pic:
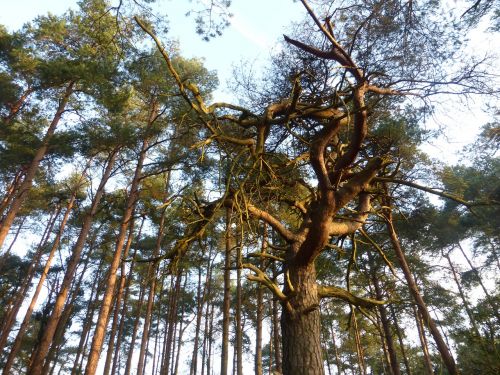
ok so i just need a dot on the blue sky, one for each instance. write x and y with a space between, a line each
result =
251 37
256 27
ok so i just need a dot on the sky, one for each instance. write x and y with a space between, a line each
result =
256 27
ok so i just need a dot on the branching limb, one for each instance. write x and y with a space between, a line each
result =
268 218
427 190
379 250
336 292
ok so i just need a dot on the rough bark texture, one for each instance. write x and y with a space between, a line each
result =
300 328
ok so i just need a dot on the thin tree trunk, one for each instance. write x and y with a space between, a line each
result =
422 307
151 275
182 328
118 300
423 342
132 198
62 325
128 366
400 340
125 298
36 365
12 309
227 295
462 296
201 298
260 310
24 325
172 323
5 255
207 328
489 299
277 339
25 186
393 360
357 339
210 340
87 322
239 327
335 348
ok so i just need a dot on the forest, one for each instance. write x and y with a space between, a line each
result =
299 229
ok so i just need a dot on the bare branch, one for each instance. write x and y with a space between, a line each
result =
336 292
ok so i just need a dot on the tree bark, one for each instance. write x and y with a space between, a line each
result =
151 275
132 198
13 308
24 325
423 342
422 307
25 186
35 367
227 296
300 328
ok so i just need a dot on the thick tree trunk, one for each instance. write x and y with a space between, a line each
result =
300 328
38 357
25 186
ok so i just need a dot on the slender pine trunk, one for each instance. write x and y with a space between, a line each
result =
24 325
25 186
35 367
422 307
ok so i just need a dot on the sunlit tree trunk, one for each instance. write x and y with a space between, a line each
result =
132 198
25 186
24 325
300 328
128 366
38 357
422 307
118 300
123 314
151 275
13 308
